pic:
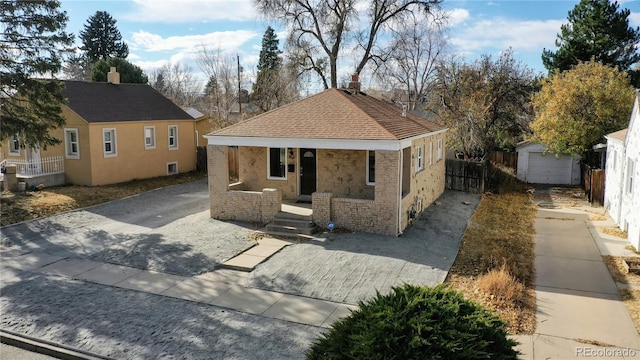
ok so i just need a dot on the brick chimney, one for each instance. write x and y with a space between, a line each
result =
113 77
354 84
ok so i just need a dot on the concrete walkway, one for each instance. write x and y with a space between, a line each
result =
580 312
224 287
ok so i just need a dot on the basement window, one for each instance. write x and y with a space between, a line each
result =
172 168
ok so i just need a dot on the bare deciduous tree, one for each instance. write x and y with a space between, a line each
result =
319 29
177 82
417 45
221 93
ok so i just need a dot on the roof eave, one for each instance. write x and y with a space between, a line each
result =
317 143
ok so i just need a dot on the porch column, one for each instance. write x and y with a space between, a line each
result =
387 191
218 169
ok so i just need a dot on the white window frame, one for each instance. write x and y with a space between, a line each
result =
151 137
439 150
630 176
614 155
114 148
169 172
68 146
369 182
175 137
14 145
419 158
283 157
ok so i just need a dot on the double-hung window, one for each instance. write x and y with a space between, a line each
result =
149 137
109 142
630 174
277 163
14 145
439 150
371 167
72 144
173 137
420 158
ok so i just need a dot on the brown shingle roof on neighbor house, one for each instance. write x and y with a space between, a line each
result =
619 135
334 114
104 102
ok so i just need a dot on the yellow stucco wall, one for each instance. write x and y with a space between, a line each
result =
132 160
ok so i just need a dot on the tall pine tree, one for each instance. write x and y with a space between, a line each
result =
101 39
597 29
267 87
32 43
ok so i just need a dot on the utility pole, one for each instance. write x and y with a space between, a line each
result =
239 89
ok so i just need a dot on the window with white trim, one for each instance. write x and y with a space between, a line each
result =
172 168
614 155
371 167
430 153
439 150
630 174
173 137
149 137
277 163
109 142
419 158
14 145
72 144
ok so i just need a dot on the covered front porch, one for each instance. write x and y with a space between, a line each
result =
357 189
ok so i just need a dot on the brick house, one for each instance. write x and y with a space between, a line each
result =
362 162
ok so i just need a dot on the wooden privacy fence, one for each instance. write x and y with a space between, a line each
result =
464 175
593 182
201 161
508 159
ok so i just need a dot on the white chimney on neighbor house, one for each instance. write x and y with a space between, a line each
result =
354 84
113 77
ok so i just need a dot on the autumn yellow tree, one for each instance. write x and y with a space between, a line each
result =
575 109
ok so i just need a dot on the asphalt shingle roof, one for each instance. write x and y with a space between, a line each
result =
334 114
104 102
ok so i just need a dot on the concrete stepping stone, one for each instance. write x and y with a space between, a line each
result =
108 274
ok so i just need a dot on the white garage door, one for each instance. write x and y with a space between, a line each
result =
548 169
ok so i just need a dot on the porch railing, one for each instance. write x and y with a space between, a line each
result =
42 166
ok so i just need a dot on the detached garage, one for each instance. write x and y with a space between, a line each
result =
535 166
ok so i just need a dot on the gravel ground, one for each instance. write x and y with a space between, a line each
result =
351 267
166 230
126 324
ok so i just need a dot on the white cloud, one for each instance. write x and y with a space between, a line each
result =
634 19
223 40
183 11
501 33
457 16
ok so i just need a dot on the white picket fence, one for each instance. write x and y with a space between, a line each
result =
43 166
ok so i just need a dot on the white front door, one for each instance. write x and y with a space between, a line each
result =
33 159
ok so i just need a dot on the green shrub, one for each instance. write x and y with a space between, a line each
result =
415 322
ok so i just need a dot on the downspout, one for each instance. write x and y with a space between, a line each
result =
400 193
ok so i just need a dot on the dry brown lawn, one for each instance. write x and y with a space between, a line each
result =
495 263
631 297
22 206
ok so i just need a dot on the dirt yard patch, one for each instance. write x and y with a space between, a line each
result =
497 252
22 206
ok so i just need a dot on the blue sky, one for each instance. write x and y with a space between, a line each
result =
161 31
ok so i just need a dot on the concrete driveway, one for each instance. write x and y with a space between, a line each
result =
166 230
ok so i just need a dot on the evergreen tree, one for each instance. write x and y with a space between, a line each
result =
129 73
32 42
597 29
101 38
266 89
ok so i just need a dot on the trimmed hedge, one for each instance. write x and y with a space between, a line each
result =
415 322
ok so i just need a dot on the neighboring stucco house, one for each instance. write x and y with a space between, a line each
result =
622 190
362 162
536 166
115 133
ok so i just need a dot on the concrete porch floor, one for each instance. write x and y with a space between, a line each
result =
292 207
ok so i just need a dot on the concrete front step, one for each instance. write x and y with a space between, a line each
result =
292 216
306 230
293 222
289 235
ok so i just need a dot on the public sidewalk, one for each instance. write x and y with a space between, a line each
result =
223 287
580 312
